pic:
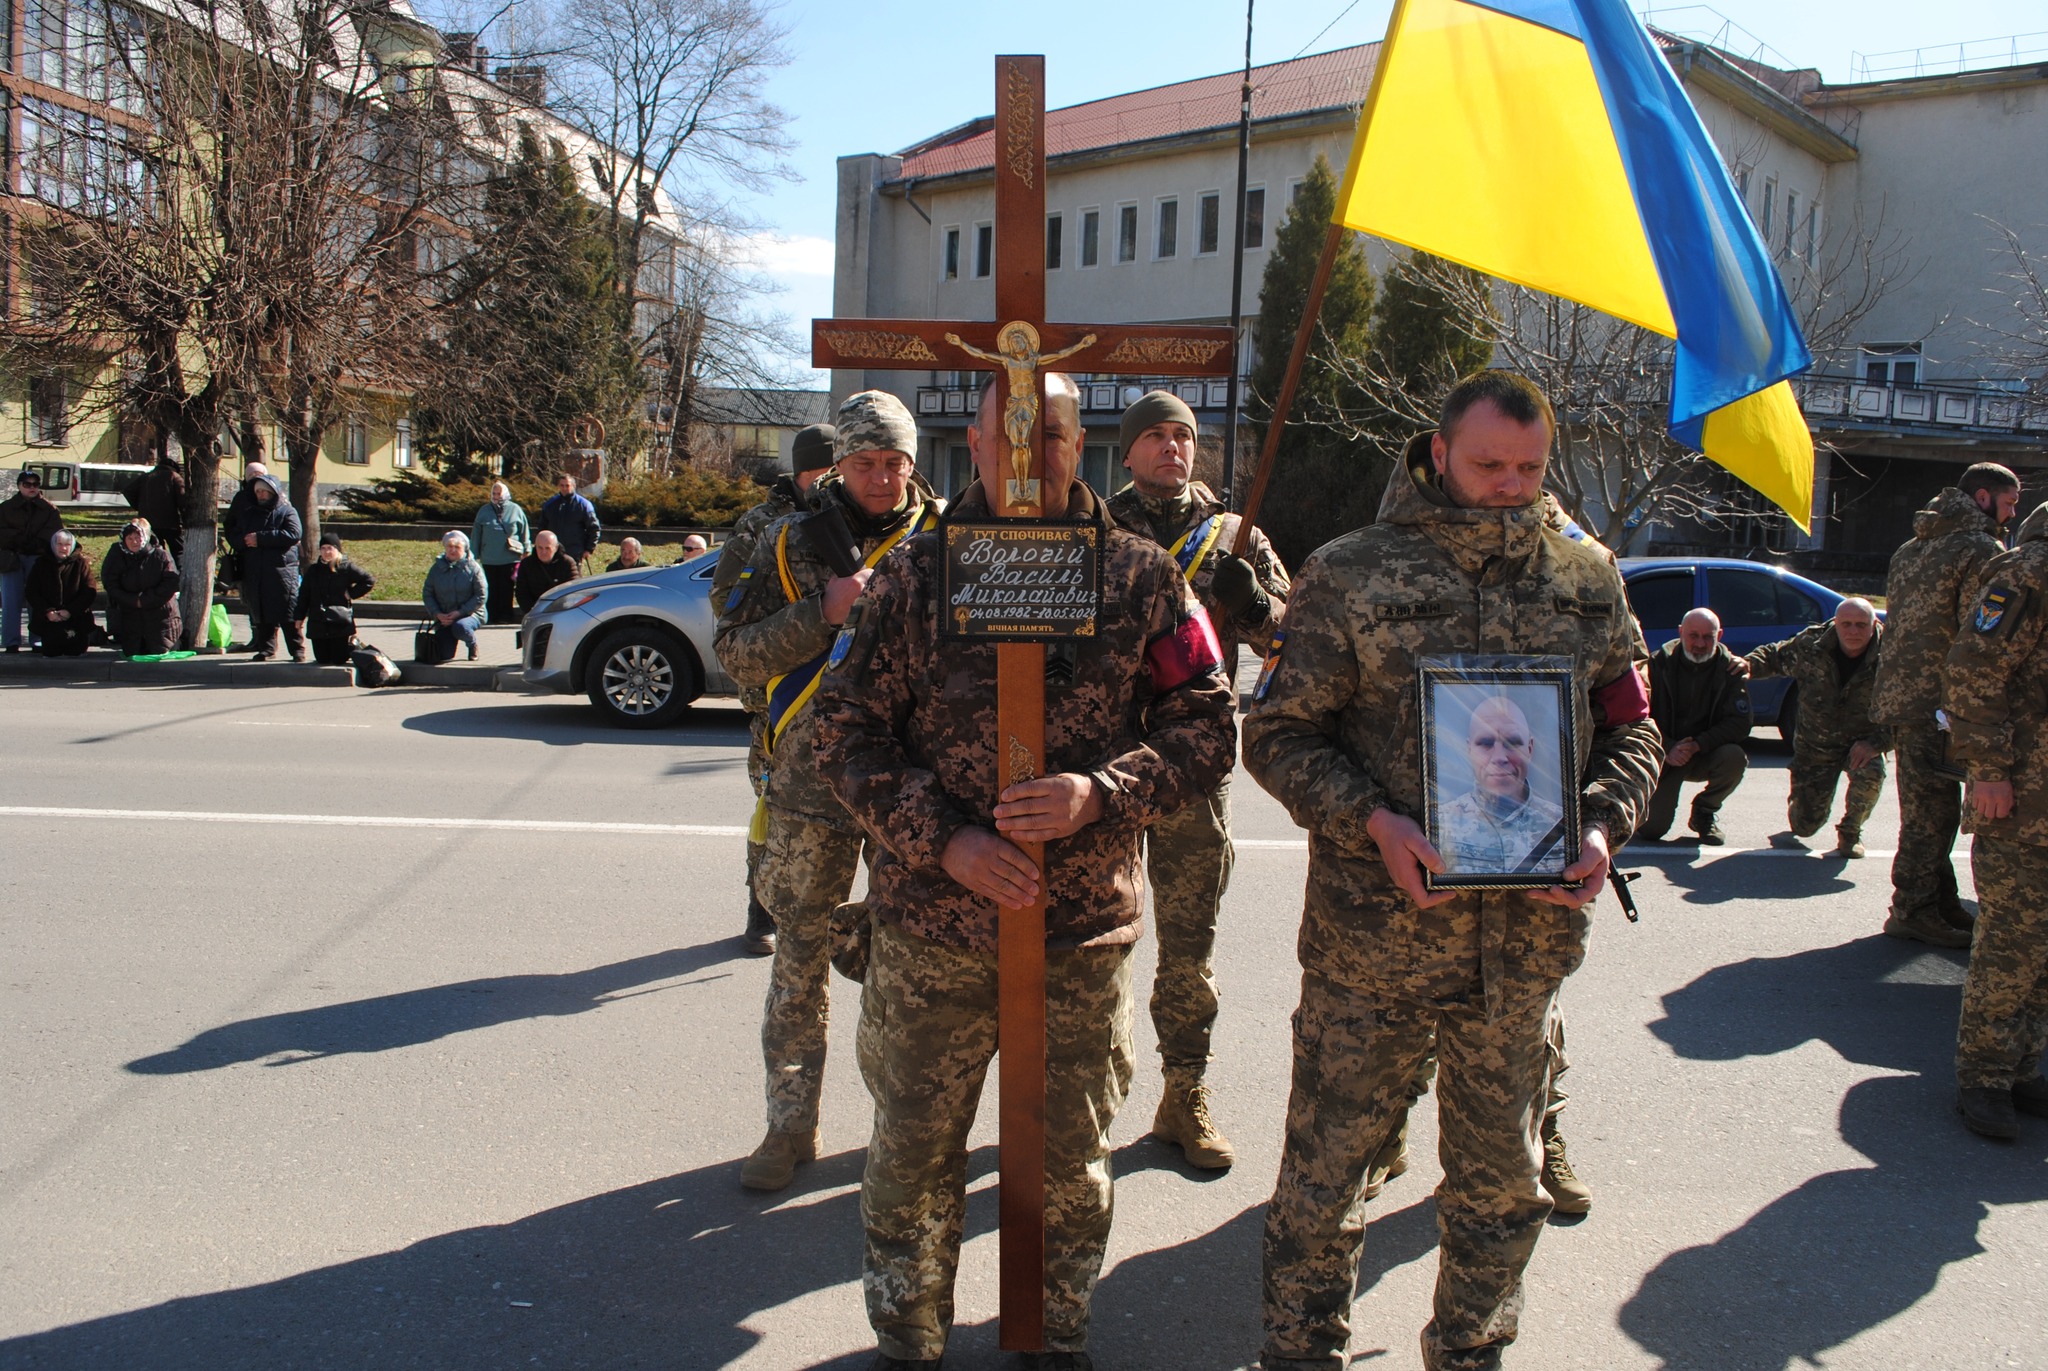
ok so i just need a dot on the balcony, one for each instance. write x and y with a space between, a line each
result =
1097 397
1935 406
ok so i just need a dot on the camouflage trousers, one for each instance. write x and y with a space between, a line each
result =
757 766
927 1032
1555 1094
806 873
1188 859
1930 816
2005 996
1814 775
1356 1053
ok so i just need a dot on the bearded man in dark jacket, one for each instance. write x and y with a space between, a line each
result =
1699 696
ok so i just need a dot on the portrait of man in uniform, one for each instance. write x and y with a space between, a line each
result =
1496 798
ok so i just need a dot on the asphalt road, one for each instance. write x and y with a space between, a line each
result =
408 1029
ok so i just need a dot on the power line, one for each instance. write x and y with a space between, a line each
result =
1326 28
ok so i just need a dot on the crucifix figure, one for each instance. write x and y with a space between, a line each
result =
1021 344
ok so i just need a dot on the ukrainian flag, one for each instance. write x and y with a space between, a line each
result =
1546 142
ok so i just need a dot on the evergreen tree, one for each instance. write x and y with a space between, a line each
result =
544 334
1423 338
1323 484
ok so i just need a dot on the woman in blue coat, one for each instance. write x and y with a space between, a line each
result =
269 533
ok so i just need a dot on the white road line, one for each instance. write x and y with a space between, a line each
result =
373 821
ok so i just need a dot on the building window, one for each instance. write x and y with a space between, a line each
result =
1053 223
401 445
952 267
1742 174
1791 217
1812 248
1895 364
357 451
1091 237
1166 243
756 442
1770 210
78 162
85 48
1293 191
1208 222
984 249
1126 233
1255 218
48 419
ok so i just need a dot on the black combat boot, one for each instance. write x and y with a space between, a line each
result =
759 938
1988 1110
2030 1096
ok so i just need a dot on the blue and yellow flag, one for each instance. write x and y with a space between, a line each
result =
1546 142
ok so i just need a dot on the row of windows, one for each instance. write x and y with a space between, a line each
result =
1165 241
87 48
76 161
1784 229
49 425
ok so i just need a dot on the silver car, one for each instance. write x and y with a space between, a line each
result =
638 643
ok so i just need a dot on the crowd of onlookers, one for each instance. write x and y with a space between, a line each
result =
50 591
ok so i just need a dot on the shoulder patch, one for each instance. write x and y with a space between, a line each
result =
1993 608
739 591
1273 651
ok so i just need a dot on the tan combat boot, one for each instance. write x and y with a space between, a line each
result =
773 1163
1568 1193
1926 928
1183 1120
1849 841
1390 1161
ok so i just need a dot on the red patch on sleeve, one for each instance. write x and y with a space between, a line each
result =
1623 700
1189 651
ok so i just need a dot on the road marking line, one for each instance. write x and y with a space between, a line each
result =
374 821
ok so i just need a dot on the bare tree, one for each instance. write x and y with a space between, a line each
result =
2021 326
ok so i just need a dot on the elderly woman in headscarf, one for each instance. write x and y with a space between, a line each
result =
499 538
142 592
270 532
454 591
61 590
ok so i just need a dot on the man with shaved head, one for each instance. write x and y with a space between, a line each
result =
1499 824
1834 666
1701 704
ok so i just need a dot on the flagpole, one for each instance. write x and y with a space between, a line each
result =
1312 308
1234 403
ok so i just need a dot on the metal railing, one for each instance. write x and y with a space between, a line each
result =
1950 59
1979 405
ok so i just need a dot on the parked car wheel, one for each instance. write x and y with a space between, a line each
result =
641 678
1788 716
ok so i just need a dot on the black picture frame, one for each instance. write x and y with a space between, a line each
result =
1499 740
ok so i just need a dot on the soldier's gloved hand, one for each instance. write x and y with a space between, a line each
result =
1236 587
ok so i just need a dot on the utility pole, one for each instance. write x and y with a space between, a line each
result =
1234 403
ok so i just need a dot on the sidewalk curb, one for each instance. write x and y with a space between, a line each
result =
99 667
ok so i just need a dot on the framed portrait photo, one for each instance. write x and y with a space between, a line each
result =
1499 770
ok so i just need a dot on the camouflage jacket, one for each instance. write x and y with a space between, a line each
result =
906 732
1997 686
1832 718
1128 508
773 623
1932 582
783 498
1336 734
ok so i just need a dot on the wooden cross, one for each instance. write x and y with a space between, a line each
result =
1020 344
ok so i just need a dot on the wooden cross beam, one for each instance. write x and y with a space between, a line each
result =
1021 344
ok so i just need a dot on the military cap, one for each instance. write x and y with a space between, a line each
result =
1154 407
876 420
813 448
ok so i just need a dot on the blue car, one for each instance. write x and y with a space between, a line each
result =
1758 604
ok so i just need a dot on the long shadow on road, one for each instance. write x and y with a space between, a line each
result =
665 1274
411 1017
1845 1251
568 722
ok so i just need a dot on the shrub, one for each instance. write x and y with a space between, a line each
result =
689 499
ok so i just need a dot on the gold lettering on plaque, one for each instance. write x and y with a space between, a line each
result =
872 345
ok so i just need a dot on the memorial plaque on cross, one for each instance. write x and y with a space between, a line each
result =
1021 346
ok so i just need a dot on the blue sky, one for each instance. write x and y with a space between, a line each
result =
878 75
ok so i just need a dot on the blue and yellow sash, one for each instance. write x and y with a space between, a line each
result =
1193 548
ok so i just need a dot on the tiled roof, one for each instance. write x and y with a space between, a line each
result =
1325 81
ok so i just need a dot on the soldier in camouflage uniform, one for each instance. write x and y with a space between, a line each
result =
1462 560
1138 723
1997 700
1834 665
789 491
1188 853
1933 582
781 617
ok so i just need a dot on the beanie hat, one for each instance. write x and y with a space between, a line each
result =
813 448
332 540
1154 407
875 420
